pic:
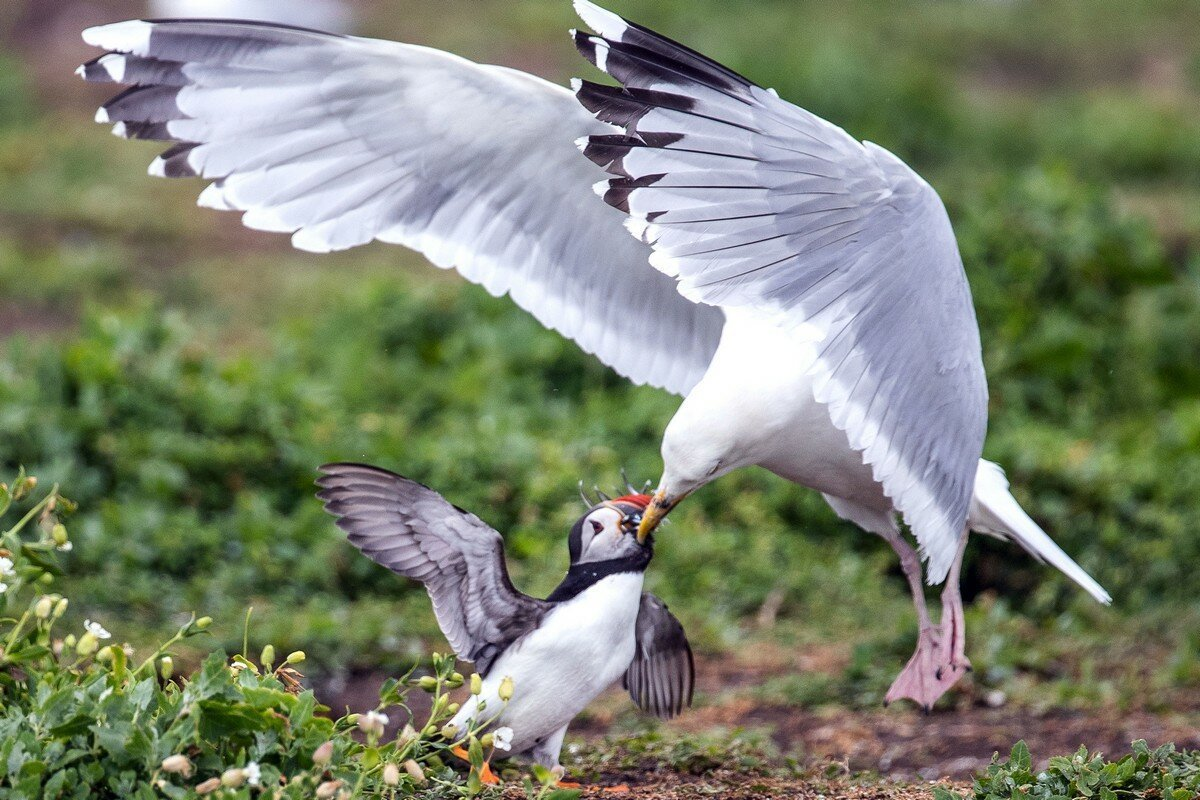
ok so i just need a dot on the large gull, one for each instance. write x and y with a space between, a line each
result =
801 289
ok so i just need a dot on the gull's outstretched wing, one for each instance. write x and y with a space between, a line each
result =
662 676
412 530
750 201
341 140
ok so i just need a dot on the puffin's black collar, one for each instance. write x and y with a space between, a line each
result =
584 576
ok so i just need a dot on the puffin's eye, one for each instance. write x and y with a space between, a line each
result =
596 526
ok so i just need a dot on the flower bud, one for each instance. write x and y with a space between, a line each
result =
407 736
505 692
323 754
44 607
449 731
60 608
105 656
296 657
428 683
328 789
391 774
440 704
486 741
267 657
166 667
59 534
69 641
203 623
414 770
455 680
233 778
209 786
177 764
87 644
453 708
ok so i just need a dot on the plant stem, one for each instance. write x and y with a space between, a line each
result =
33 512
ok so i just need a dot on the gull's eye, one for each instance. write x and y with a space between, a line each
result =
596 526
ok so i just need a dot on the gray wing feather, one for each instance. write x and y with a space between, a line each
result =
752 202
415 532
339 140
661 677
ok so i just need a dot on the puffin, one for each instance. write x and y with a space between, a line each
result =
801 290
597 627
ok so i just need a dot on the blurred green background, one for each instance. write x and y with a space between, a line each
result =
183 377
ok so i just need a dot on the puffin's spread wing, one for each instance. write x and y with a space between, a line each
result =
414 531
661 678
340 140
750 201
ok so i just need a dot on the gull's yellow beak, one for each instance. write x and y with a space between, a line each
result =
660 505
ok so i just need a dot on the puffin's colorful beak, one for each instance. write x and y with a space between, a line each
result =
658 508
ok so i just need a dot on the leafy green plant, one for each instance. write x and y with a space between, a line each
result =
697 754
83 718
1161 772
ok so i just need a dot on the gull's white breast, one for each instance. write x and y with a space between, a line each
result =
755 405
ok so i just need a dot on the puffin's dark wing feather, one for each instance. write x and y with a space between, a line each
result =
414 531
662 676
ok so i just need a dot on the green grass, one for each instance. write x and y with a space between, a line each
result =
184 377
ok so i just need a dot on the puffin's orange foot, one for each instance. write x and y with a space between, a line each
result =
486 775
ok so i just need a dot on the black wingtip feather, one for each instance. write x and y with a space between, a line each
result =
144 104
667 51
174 162
619 189
155 131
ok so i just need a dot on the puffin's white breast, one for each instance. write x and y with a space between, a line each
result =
581 648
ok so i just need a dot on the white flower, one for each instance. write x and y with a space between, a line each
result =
502 738
6 567
3 588
65 547
96 629
253 773
372 722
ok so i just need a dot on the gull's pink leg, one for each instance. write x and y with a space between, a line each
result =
940 659
953 623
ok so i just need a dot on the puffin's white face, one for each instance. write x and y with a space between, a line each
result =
607 533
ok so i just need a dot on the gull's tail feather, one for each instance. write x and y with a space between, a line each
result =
995 511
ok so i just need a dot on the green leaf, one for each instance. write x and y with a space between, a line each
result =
475 754
563 794
38 558
1019 758
72 727
941 793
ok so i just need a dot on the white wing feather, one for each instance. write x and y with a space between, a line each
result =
340 140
